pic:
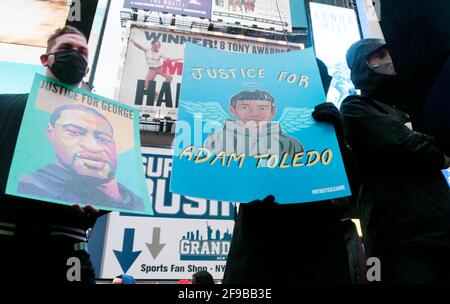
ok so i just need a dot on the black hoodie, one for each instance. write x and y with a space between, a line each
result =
382 87
404 198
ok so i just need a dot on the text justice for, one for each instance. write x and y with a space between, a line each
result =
86 99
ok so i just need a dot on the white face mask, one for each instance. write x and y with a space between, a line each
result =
385 67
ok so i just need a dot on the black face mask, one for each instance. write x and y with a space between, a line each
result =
385 88
69 66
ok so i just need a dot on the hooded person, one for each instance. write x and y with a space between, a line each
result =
403 199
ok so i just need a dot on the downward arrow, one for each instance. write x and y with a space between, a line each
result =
155 247
127 256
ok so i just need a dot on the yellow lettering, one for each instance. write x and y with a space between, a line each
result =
235 157
233 75
223 74
261 73
326 157
188 151
282 75
220 155
304 80
297 157
199 159
313 158
260 158
272 161
291 78
283 161
196 73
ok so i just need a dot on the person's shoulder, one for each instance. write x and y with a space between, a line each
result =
9 101
43 182
13 97
355 99
31 178
356 103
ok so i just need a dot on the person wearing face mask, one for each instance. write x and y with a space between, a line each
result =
37 238
403 199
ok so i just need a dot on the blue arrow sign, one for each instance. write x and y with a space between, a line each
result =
127 256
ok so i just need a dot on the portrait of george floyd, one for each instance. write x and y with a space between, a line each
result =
83 151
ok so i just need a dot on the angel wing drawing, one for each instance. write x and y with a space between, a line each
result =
211 112
296 119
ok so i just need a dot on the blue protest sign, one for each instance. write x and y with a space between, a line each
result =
245 129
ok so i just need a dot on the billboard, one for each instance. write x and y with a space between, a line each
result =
153 65
185 235
193 8
266 14
31 22
245 129
298 14
335 29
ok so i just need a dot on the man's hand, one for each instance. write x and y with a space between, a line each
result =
268 201
86 211
327 112
87 215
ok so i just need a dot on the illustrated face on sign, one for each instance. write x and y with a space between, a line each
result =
253 108
83 142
